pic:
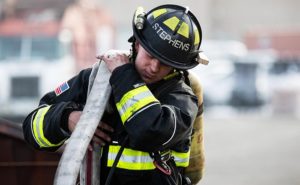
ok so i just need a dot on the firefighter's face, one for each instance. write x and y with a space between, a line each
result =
150 69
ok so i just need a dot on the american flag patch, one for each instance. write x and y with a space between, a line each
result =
62 88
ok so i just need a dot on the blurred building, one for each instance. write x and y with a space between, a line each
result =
284 71
220 19
45 42
21 9
233 18
92 29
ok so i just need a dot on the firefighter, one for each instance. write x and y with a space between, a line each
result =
151 108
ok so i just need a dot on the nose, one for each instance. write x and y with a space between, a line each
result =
155 65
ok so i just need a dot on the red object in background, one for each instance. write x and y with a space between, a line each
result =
19 163
284 42
13 27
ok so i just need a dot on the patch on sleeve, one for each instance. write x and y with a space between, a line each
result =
62 88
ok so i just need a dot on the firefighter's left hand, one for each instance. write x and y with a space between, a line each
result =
102 133
114 59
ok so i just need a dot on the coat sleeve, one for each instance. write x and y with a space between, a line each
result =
151 124
45 128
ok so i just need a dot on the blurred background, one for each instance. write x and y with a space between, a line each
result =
251 85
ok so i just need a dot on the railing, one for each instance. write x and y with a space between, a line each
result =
19 163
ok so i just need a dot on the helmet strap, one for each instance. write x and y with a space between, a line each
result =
133 51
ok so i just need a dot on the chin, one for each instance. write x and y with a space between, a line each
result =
148 81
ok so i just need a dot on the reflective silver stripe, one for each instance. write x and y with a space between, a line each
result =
130 159
133 100
181 159
138 160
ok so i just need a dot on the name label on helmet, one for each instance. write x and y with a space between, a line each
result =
165 36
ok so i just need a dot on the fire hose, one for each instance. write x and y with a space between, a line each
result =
75 150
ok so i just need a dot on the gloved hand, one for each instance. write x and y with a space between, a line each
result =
114 58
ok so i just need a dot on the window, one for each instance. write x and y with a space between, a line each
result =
45 47
24 87
31 48
10 47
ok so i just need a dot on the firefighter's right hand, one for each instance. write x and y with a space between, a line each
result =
73 120
114 58
101 135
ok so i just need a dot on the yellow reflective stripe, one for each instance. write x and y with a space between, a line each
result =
133 101
159 12
137 106
130 159
184 30
131 94
38 126
181 159
125 105
172 22
197 37
139 160
171 75
38 132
